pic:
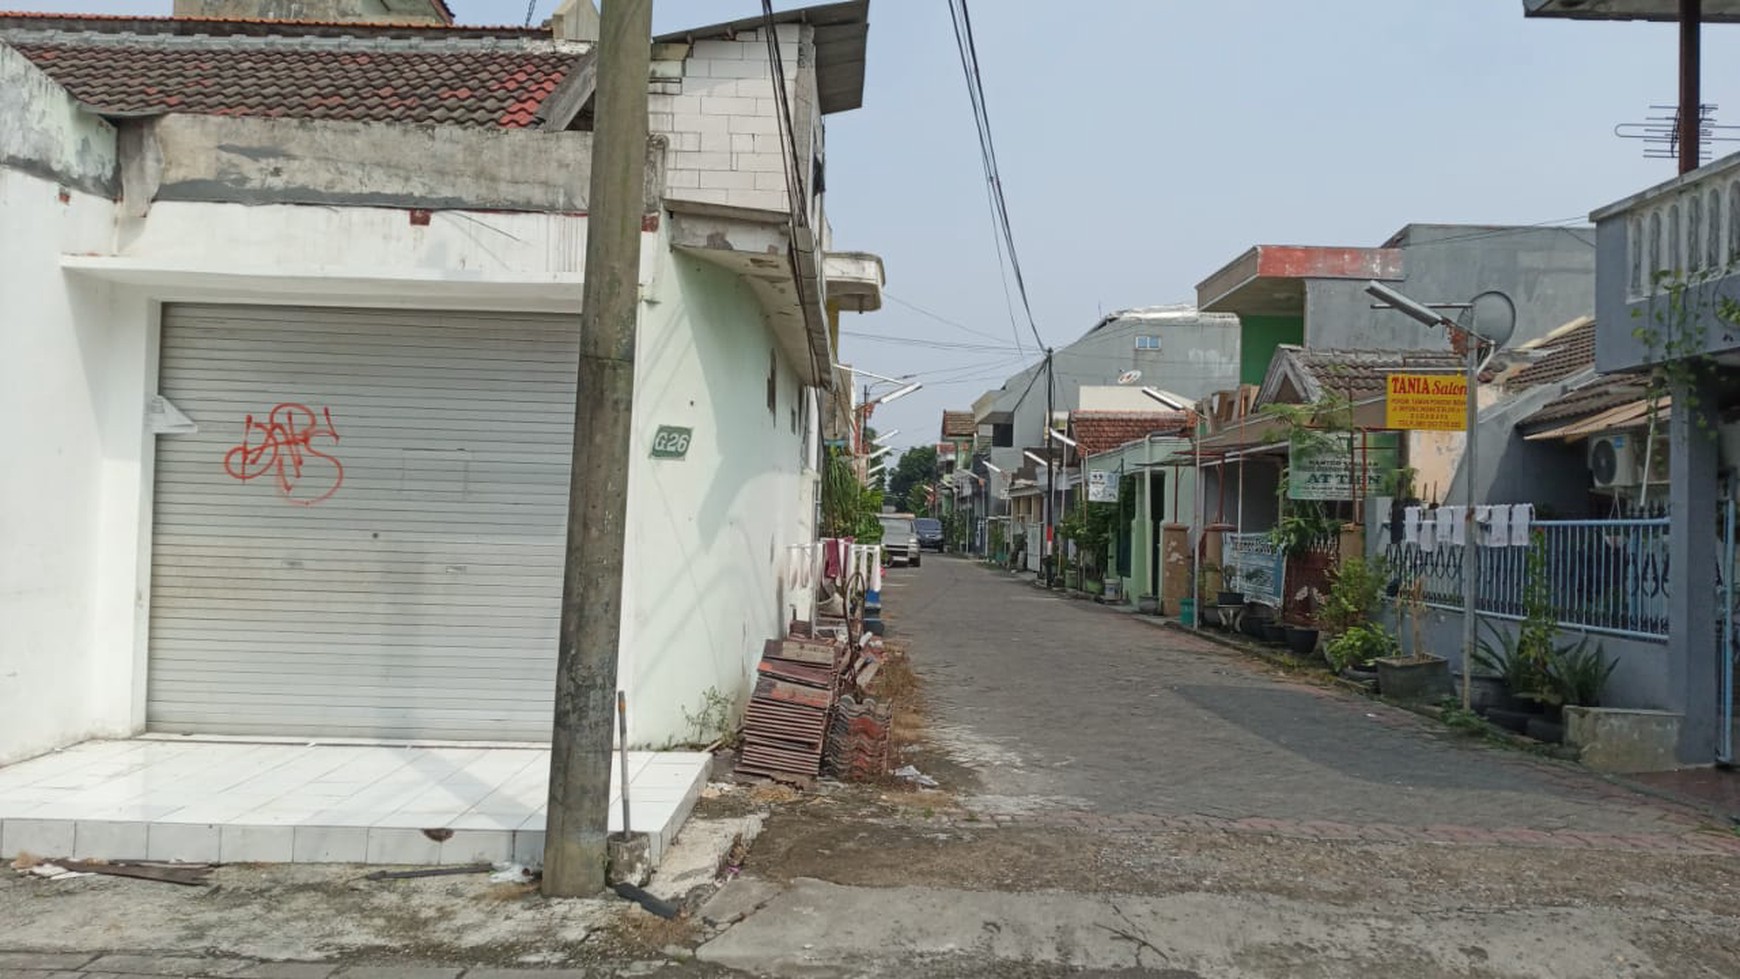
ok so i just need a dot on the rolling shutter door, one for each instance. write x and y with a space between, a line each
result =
364 538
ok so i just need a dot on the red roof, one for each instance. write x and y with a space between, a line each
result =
468 85
1103 431
959 424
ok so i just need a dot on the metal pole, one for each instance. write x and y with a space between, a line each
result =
1691 102
1470 556
1201 528
1726 735
578 822
1048 535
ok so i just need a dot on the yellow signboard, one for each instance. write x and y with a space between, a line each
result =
1437 402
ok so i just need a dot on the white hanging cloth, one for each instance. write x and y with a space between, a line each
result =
1497 521
1428 530
1446 517
1411 525
1521 514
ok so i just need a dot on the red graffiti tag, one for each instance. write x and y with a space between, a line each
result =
282 444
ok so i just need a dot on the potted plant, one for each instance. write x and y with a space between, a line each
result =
1354 652
1420 676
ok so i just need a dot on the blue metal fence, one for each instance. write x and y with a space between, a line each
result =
1602 575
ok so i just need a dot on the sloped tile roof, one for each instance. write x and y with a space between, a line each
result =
1573 350
469 86
959 425
1600 394
1103 431
1360 373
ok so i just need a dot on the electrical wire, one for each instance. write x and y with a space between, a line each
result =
968 49
940 318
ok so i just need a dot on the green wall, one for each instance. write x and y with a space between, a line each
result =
1258 337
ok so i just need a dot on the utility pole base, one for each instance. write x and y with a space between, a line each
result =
630 859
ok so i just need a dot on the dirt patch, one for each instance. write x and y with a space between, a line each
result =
877 846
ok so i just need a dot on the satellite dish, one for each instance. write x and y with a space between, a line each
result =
1491 316
1129 377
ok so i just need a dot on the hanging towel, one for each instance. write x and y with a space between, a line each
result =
833 563
1458 526
1482 520
876 569
1521 514
1429 529
1446 517
1498 526
1411 525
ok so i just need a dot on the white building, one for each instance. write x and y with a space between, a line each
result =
290 318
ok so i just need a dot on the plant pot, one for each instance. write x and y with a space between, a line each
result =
1541 729
1358 675
1488 693
1510 720
1114 590
1274 633
1187 611
1424 680
1301 640
1230 598
1252 622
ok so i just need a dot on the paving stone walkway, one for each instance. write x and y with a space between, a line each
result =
1075 715
49 965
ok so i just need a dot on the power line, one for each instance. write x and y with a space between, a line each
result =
968 47
940 318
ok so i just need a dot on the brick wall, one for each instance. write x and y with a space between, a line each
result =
717 107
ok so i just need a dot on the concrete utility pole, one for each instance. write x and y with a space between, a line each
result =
577 827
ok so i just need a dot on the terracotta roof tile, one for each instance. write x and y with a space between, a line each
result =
959 425
1360 373
469 86
1573 350
1103 431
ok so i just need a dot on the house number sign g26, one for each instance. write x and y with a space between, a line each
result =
672 442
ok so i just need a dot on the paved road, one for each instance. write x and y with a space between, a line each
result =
1063 704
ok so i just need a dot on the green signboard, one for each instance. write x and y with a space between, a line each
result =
672 442
1324 466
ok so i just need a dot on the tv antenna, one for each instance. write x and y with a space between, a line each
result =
1661 133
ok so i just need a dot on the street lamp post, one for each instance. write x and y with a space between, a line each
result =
1424 314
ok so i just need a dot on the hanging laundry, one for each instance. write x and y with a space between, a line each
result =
1458 526
1498 526
1448 521
1429 529
1411 525
834 562
1521 515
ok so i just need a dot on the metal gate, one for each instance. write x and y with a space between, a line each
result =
364 537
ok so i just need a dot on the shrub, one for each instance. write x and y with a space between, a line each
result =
1360 645
1354 590
1577 673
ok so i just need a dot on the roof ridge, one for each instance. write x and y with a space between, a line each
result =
293 42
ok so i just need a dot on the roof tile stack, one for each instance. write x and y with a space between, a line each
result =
786 726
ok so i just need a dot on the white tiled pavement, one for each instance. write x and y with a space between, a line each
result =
236 801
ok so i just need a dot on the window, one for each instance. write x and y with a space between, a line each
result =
1695 233
1003 436
1713 246
1147 343
773 383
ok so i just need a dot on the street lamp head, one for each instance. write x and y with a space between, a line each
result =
1408 307
1173 401
993 467
1035 458
885 436
896 394
1066 440
880 452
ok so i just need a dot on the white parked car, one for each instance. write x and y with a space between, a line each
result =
900 538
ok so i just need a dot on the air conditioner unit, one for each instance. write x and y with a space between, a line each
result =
1614 461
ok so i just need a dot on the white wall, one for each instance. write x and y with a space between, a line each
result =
723 121
63 450
707 533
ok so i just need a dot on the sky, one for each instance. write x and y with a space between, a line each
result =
1146 143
